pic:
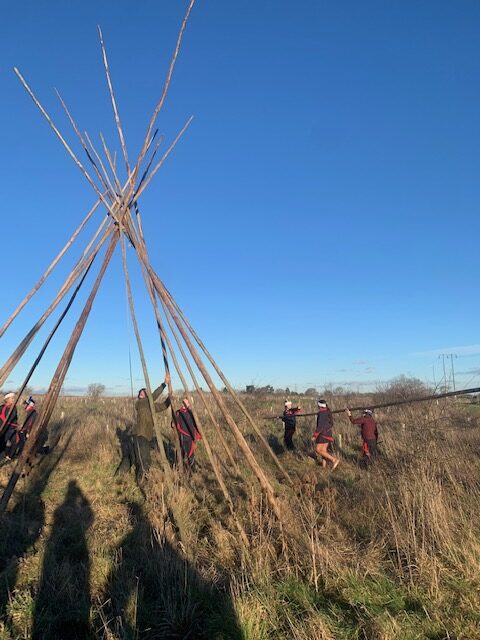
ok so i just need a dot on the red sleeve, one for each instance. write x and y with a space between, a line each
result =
356 420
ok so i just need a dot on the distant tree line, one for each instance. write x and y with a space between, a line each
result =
399 388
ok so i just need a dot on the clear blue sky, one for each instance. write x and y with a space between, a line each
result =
319 222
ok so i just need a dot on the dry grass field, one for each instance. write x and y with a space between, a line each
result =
388 553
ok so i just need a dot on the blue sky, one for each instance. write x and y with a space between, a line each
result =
318 222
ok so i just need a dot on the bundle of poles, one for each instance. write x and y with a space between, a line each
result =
393 403
180 344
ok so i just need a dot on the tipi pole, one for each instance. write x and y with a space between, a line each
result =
56 382
65 144
22 347
228 386
242 443
163 339
139 192
104 184
159 105
199 390
165 465
166 342
100 162
30 295
114 104
47 342
210 454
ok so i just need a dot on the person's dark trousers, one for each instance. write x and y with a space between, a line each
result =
287 438
128 454
16 448
370 449
11 442
187 445
143 459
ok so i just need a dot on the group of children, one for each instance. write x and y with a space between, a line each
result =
12 435
323 435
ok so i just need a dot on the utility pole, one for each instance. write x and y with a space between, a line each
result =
445 385
452 356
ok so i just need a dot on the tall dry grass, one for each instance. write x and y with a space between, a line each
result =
388 552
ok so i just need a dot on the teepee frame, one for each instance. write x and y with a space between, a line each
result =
123 219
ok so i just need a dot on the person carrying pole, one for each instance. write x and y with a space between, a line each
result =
290 422
143 439
8 421
188 433
369 433
24 432
323 435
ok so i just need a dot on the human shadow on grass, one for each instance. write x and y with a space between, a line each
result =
126 440
21 527
62 606
275 445
153 592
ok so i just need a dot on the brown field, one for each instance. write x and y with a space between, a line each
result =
388 553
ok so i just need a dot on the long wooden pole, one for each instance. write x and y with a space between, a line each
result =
165 341
26 380
100 162
210 454
114 103
242 443
30 295
57 381
228 386
165 465
159 105
71 278
257 470
64 142
395 403
166 364
199 390
146 182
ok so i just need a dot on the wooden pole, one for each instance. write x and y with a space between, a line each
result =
163 339
105 183
114 104
100 162
200 392
159 105
228 387
210 454
395 403
71 278
57 381
242 443
139 192
165 465
30 295
64 142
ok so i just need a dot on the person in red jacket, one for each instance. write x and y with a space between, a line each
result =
369 433
23 433
187 432
8 421
323 435
290 422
